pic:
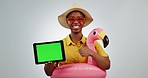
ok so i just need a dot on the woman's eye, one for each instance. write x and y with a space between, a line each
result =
80 19
71 19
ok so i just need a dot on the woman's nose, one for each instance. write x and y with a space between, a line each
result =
75 21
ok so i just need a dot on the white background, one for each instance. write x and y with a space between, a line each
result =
23 22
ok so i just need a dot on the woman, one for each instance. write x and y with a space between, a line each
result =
76 51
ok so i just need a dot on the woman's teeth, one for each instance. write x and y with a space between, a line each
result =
75 26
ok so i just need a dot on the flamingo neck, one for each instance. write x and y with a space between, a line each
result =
90 44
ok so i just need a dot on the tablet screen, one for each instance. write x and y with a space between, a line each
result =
49 52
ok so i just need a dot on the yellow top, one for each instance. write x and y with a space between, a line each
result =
72 54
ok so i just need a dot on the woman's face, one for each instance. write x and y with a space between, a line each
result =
75 21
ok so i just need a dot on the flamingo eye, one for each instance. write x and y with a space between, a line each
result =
94 33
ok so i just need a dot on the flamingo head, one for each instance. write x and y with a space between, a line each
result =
99 34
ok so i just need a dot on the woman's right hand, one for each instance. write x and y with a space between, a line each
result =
49 67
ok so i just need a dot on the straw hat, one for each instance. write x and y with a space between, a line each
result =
62 17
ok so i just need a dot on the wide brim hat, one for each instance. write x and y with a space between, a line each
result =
73 7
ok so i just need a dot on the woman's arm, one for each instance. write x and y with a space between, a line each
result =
102 62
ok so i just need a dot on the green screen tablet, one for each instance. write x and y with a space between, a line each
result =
49 52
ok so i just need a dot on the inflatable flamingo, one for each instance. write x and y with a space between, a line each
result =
96 34
84 70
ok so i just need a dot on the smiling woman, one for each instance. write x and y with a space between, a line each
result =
76 50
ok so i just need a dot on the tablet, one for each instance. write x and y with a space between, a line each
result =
45 52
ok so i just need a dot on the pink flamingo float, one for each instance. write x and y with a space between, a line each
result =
84 70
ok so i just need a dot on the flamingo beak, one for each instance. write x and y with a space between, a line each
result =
105 41
104 38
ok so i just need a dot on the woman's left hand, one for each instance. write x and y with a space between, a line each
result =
85 51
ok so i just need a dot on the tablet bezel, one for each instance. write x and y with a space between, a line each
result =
41 43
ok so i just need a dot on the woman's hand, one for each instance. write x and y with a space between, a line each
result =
85 51
49 67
